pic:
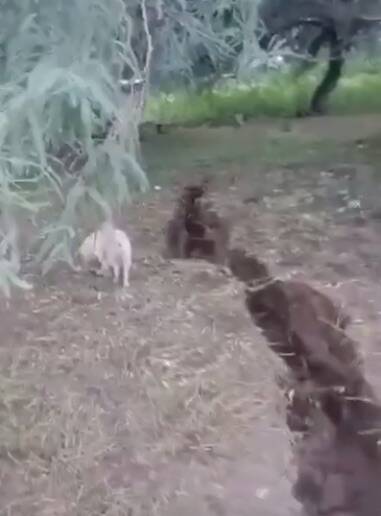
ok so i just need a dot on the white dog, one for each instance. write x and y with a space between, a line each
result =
108 249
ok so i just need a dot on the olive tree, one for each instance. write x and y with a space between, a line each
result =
334 24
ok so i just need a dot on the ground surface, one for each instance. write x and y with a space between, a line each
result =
165 402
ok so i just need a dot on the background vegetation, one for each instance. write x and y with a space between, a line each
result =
273 93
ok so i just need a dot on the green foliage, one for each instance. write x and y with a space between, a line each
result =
272 94
60 63
195 40
276 94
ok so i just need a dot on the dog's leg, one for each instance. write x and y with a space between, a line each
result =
126 274
116 273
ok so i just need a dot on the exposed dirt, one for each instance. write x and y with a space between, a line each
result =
195 230
164 401
331 406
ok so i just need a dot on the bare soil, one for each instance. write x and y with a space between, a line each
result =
165 401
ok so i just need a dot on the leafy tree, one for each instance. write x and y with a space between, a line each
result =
321 22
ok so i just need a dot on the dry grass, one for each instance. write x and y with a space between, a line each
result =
136 406
165 402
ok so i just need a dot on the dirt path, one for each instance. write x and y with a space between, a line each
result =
166 402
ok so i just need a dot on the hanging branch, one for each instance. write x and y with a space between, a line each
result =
148 57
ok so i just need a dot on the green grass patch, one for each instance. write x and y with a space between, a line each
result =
357 94
277 94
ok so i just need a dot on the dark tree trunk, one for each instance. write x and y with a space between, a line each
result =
332 75
312 52
327 36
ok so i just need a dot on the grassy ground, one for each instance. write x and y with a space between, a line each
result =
275 94
165 402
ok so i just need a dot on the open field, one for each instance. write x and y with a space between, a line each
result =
165 402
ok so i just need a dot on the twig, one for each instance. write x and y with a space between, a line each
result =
147 64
